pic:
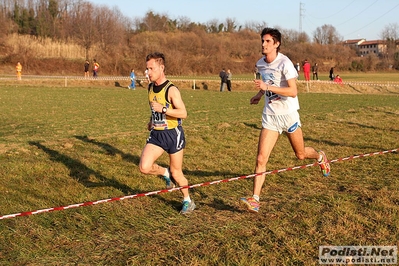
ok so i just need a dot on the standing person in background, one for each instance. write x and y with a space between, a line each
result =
166 131
133 80
331 76
96 66
223 79
315 70
87 65
298 69
18 68
280 113
229 76
306 70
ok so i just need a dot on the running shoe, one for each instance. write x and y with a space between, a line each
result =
324 165
188 207
251 204
169 182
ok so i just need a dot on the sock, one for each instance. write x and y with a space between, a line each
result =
256 197
187 199
320 158
167 173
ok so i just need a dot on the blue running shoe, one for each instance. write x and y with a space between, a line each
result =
169 183
188 207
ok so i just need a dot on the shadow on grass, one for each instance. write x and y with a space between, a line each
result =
81 172
201 173
370 127
339 144
111 150
255 126
221 205
353 88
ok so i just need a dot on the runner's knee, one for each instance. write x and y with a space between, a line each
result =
261 160
145 169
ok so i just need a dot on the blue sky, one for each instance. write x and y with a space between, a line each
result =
352 18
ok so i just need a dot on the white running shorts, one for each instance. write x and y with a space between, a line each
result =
282 123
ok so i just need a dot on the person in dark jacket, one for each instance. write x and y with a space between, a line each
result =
223 79
331 76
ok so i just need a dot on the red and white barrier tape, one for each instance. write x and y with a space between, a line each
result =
190 186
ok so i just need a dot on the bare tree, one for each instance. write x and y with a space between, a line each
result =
230 25
326 34
7 25
255 26
183 23
82 26
154 22
293 36
212 26
390 34
111 32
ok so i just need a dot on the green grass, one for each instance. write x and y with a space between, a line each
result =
60 146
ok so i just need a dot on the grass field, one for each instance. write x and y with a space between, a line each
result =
60 146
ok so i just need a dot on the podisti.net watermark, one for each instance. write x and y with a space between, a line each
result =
358 255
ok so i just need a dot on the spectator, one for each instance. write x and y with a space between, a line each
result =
331 76
96 66
223 79
87 65
18 68
298 69
229 75
338 79
306 70
133 80
315 70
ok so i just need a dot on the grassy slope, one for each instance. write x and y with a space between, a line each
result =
60 146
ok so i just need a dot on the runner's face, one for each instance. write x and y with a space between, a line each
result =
155 70
268 45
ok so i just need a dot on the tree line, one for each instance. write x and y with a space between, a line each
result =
120 43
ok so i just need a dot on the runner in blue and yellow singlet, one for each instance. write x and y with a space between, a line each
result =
166 131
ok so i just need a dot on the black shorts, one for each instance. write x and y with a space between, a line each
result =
171 140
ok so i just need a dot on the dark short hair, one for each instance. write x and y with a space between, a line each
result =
275 33
159 57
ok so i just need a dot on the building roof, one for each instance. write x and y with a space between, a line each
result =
355 41
372 42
